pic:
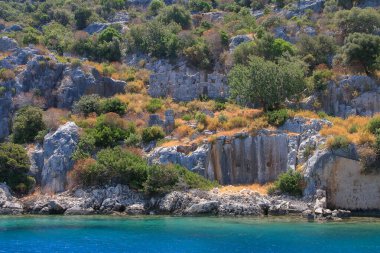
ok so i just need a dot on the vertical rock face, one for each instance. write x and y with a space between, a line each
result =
340 174
183 84
239 159
57 151
248 159
353 95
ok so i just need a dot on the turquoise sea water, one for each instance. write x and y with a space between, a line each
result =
187 235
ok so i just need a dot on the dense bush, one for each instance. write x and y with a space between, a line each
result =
161 179
113 105
243 52
316 50
154 105
155 6
199 5
119 166
154 38
265 82
57 37
110 129
176 14
277 118
199 55
87 104
357 20
363 49
14 168
152 133
338 142
320 79
290 182
271 49
26 124
82 16
374 124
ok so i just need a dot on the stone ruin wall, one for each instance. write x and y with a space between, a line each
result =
183 86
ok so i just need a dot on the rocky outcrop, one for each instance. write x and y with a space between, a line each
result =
122 200
8 203
341 175
239 39
51 162
184 84
352 95
244 158
96 27
7 44
56 84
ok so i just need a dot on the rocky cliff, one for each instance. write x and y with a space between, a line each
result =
244 158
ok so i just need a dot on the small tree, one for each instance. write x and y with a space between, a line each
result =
27 123
363 49
155 6
266 82
177 14
14 166
81 17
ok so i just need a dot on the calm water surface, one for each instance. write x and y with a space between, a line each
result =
187 235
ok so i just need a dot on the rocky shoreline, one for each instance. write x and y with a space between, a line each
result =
120 200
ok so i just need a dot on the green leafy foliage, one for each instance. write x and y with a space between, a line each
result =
363 49
199 55
14 168
290 182
87 104
265 82
113 105
176 14
278 117
155 38
27 124
338 142
119 166
152 133
154 105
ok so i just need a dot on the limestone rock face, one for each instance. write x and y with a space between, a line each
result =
185 84
353 95
239 39
243 158
58 149
7 44
8 203
247 159
6 108
96 28
340 174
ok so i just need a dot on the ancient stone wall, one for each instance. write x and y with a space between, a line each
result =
349 188
184 86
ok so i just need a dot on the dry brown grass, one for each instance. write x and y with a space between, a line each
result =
262 189
354 128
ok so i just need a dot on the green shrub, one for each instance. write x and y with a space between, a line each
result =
322 114
277 118
110 129
187 117
374 124
116 165
320 79
199 55
154 105
133 140
82 16
155 6
27 124
161 179
176 14
152 134
199 5
14 168
87 104
85 148
201 117
2 90
290 182
338 142
113 105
